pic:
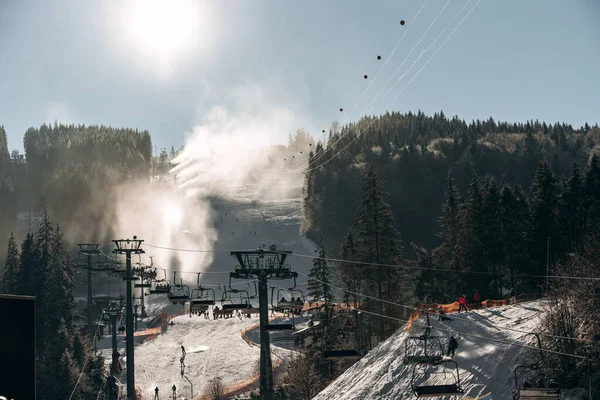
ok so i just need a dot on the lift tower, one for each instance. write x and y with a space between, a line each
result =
129 247
263 264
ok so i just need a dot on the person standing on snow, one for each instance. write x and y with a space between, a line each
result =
477 299
462 303
156 393
452 346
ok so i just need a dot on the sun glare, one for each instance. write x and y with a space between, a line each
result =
164 27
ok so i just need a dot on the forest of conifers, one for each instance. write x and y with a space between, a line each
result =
484 196
74 169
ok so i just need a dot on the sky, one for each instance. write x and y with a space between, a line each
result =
166 67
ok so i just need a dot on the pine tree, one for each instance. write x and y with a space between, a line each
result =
28 261
571 211
514 214
542 220
449 221
378 242
12 268
349 272
473 228
491 239
59 284
319 276
592 195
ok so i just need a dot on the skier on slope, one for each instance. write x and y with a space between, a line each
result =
452 346
442 315
462 303
477 299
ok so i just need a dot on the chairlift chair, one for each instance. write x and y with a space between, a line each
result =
180 293
161 286
239 301
534 393
201 298
342 353
452 388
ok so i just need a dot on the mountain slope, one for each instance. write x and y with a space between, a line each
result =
484 366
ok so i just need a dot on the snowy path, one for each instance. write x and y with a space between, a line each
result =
485 366
214 349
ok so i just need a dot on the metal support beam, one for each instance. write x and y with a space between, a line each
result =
266 369
129 332
90 319
128 247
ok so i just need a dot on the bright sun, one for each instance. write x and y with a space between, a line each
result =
164 27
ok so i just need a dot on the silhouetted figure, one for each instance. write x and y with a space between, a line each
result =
452 346
156 393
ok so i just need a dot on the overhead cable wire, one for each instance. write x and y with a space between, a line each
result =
409 54
435 52
387 59
402 266
374 119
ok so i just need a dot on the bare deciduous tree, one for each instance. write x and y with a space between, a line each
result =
216 389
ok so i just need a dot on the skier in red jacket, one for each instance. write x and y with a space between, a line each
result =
477 299
462 303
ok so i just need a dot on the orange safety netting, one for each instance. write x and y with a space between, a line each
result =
435 308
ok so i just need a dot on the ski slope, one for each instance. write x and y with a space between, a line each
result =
214 349
485 367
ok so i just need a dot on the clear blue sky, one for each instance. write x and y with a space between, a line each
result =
80 61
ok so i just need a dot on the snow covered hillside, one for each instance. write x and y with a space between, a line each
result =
485 366
214 349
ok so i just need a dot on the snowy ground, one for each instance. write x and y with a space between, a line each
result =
485 366
214 349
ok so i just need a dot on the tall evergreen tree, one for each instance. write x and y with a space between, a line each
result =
319 277
473 228
514 215
542 221
349 272
592 194
28 261
491 239
59 284
450 222
571 211
12 268
378 242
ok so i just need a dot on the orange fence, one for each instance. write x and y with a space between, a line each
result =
435 308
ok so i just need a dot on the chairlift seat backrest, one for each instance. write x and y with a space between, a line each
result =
411 360
241 306
438 391
539 394
341 354
203 302
279 327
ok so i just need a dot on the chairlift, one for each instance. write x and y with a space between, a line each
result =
423 349
452 388
179 293
527 391
201 298
284 305
235 299
161 286
340 353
